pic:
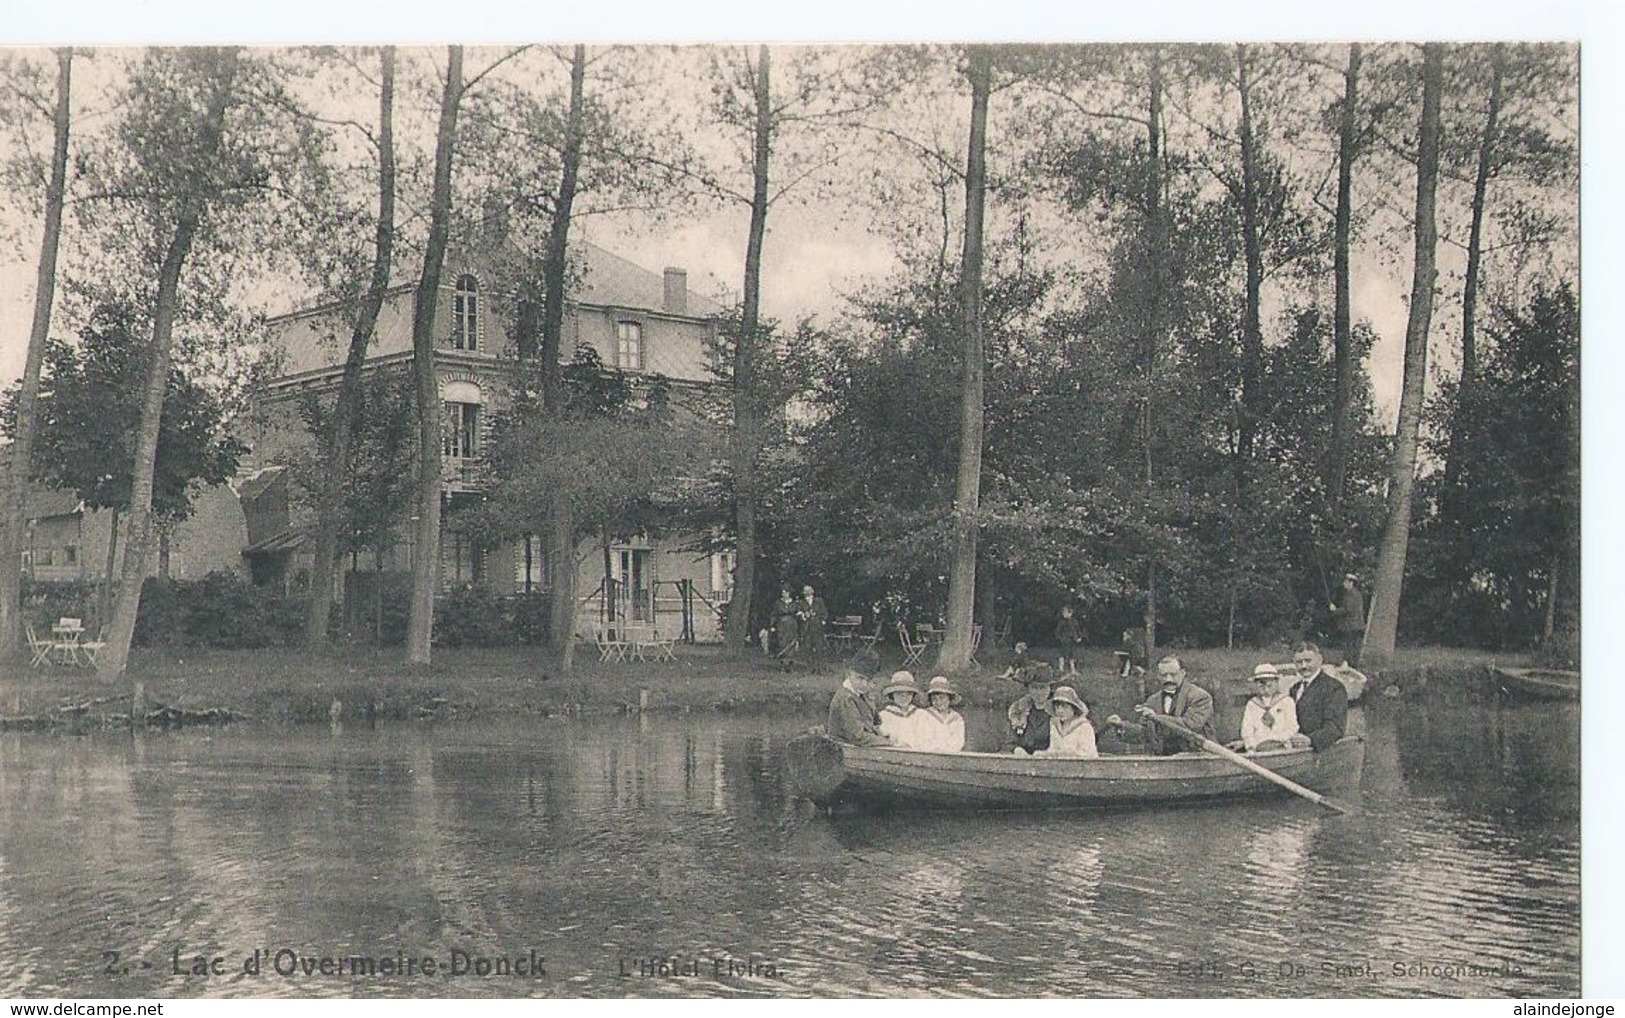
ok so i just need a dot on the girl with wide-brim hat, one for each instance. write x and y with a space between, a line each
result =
941 728
1070 733
899 719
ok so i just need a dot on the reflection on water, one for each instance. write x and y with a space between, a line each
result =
618 850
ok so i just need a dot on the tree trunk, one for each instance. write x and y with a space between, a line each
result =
426 547
330 518
139 539
1252 332
22 443
104 596
1459 424
1549 624
746 437
1342 313
561 616
561 516
140 532
1156 241
1385 596
956 642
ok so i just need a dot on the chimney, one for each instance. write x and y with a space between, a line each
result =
676 301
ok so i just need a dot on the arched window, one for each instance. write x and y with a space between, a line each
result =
465 314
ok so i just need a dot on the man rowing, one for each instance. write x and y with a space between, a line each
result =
1176 699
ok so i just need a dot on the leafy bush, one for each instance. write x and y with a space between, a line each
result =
46 601
221 610
471 617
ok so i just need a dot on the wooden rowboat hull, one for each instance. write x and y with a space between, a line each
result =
1538 683
829 773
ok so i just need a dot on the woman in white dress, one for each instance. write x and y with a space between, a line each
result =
1070 733
941 728
900 719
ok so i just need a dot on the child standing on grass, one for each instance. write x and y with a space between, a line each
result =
1069 635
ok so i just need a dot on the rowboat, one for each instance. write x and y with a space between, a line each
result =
1537 683
829 772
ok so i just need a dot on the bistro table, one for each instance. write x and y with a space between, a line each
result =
65 637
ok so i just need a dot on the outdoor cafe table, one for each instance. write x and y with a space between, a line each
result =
65 643
844 633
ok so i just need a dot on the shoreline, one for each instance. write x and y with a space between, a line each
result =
284 686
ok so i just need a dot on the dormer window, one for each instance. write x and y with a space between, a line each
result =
629 346
465 314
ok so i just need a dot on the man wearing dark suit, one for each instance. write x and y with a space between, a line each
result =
1323 703
1178 700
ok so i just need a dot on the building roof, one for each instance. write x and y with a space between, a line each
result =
609 279
604 279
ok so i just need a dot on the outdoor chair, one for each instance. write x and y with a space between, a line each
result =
647 640
975 642
609 648
91 648
40 650
913 649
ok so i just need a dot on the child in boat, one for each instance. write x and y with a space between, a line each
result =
940 727
1270 719
1029 716
899 719
1070 733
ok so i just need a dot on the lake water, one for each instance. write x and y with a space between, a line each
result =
600 848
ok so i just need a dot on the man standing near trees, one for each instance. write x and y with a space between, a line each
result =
1348 619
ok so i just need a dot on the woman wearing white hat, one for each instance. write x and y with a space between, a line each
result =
941 728
900 718
1270 718
1070 733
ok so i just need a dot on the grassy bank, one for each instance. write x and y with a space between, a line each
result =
284 686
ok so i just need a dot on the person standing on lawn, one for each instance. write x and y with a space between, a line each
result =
1348 619
1069 636
813 615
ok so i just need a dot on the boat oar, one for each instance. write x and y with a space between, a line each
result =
1247 765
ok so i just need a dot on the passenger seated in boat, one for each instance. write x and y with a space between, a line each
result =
899 719
1178 700
1270 719
1321 700
852 717
1029 716
941 728
1070 733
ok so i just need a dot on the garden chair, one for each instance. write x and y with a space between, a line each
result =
39 649
91 648
975 642
647 640
913 649
609 648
